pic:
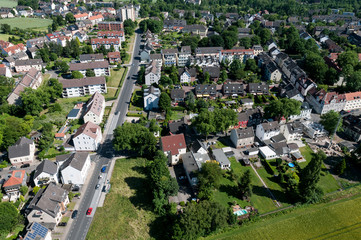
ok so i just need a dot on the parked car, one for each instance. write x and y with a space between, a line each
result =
97 186
74 214
104 169
100 176
12 168
25 165
182 178
89 211
62 224
104 189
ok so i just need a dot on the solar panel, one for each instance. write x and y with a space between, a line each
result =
37 230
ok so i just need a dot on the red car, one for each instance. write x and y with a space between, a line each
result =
89 211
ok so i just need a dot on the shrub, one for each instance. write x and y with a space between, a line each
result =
268 167
71 196
182 204
24 190
35 190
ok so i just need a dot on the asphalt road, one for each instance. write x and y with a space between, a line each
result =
81 224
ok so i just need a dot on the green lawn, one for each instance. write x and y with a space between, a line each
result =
111 93
127 209
335 220
260 198
115 77
33 23
8 3
5 37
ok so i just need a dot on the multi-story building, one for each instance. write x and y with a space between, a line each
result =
87 137
97 57
206 90
170 56
100 68
152 73
174 147
242 137
241 54
112 34
73 167
127 12
94 110
184 56
111 26
108 43
151 98
84 86
22 152
323 102
26 65
266 131
187 75
353 101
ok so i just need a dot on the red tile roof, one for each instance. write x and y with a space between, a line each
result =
96 17
81 15
12 181
173 143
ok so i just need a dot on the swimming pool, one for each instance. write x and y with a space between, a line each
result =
291 164
240 212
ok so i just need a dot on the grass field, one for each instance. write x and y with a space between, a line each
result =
5 37
25 23
127 209
335 220
115 77
8 3
260 198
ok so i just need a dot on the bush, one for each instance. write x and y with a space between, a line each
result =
24 190
35 190
182 203
71 195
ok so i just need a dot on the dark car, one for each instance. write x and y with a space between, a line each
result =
25 165
62 224
97 186
104 169
74 214
89 211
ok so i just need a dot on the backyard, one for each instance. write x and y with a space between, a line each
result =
128 205
33 23
333 220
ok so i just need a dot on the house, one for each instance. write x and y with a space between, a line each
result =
199 147
31 79
314 130
96 19
191 168
173 146
214 73
170 56
208 52
293 94
37 231
174 24
247 103
48 206
96 57
13 184
197 29
151 98
323 102
304 114
241 54
292 131
112 34
267 153
352 127
249 118
22 152
74 167
258 89
187 75
242 137
46 172
156 58
114 57
81 36
40 41
87 137
232 90
111 26
83 86
353 101
80 16
266 131
5 71
108 43
272 73
26 65
205 90
100 68
184 56
94 109
11 50
152 73
177 95
221 158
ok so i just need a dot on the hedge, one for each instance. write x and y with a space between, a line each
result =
268 167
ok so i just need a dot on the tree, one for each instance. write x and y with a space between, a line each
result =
282 108
5 28
207 77
134 137
90 73
347 61
164 101
309 192
190 100
209 179
315 66
10 217
53 56
215 41
204 122
246 42
76 75
62 66
330 120
236 70
199 220
24 190
244 184
223 76
252 66
353 81
69 17
230 39
32 101
341 167
223 119
54 88
35 190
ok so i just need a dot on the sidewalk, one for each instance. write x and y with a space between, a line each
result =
62 232
107 180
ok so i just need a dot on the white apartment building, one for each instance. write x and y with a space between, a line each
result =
84 86
353 101
99 68
95 109
87 138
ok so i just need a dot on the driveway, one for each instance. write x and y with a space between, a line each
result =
185 192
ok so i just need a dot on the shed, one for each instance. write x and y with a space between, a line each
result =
267 152
74 114
253 151
221 158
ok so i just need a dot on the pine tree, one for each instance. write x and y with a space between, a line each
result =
244 184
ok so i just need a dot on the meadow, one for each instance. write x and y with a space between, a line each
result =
8 3
27 23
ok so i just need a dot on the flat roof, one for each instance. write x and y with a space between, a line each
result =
267 151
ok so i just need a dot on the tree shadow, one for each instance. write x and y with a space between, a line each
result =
157 229
279 195
230 190
143 196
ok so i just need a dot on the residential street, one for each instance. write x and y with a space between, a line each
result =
81 224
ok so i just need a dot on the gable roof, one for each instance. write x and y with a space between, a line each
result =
21 148
243 133
177 93
91 57
17 178
90 65
46 166
173 143
76 160
83 82
271 126
89 129
95 104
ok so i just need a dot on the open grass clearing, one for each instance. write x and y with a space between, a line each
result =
8 3
227 193
5 37
335 220
115 77
30 23
126 213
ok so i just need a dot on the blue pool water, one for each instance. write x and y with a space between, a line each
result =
240 212
291 164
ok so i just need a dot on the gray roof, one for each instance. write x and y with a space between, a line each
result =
214 72
75 160
198 145
246 100
21 148
208 50
176 127
49 199
29 62
270 126
177 93
279 138
243 133
47 167
91 57
189 163
89 65
221 157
